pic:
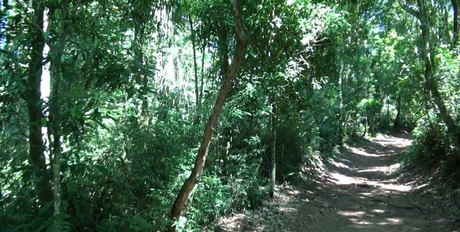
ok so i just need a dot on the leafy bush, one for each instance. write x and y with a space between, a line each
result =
430 145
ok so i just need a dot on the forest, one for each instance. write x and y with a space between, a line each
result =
180 115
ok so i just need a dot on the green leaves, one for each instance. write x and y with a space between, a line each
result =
95 43
130 117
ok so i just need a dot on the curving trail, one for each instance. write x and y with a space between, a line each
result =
358 191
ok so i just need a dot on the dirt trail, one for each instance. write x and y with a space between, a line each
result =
358 191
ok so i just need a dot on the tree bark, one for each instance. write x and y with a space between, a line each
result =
241 46
195 72
273 146
455 19
57 26
200 96
34 106
341 110
397 124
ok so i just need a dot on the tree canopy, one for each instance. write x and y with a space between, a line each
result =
156 115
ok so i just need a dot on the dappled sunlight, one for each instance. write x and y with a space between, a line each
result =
361 222
376 218
358 151
396 187
378 211
287 209
359 191
341 179
367 169
391 221
340 165
365 152
366 194
386 140
388 221
293 192
351 213
382 169
421 186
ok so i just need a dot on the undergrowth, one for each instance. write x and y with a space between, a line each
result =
431 154
430 146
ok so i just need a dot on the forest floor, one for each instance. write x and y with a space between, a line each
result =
362 189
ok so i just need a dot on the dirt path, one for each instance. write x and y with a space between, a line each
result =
359 191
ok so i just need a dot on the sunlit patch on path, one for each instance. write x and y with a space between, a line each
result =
341 179
367 194
360 190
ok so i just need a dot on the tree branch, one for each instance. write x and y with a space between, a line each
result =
410 9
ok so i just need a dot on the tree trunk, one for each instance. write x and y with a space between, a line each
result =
57 26
397 124
200 96
455 19
430 82
273 146
241 46
141 78
195 72
223 50
34 106
341 111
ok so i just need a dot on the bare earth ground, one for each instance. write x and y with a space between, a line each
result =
359 191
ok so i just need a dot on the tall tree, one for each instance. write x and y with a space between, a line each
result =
58 27
242 41
425 13
35 104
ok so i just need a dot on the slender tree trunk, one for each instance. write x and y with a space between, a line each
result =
273 146
141 78
34 105
223 161
397 124
241 46
388 113
178 78
203 56
455 19
195 72
57 26
445 27
366 122
341 111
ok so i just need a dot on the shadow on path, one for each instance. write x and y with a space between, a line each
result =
358 191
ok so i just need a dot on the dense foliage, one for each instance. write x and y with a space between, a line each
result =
103 103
